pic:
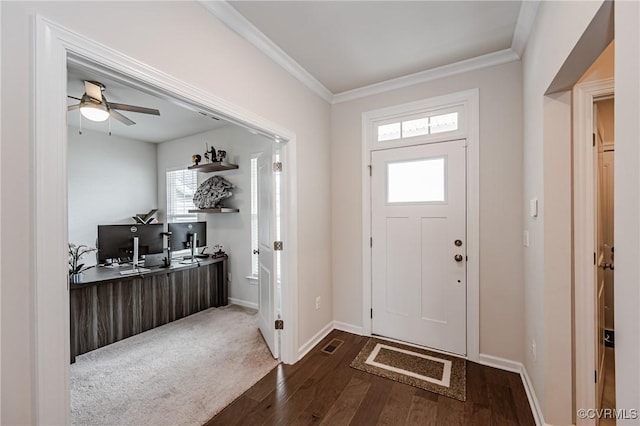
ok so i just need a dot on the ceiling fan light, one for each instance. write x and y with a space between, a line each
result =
94 112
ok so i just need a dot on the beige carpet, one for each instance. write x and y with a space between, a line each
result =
182 373
443 374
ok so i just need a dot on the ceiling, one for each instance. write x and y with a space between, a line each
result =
175 121
352 44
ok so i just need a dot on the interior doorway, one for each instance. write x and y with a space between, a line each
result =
55 45
593 245
603 113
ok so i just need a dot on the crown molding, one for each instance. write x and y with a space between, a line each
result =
484 61
233 19
526 17
241 25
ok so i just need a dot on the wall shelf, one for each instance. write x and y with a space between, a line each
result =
215 210
218 166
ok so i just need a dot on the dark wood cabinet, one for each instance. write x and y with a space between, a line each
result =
109 310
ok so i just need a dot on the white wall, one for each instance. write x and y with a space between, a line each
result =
110 179
501 290
184 41
233 230
547 168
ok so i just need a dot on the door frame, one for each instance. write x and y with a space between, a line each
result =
53 46
584 240
468 101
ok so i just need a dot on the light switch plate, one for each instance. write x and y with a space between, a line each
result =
533 207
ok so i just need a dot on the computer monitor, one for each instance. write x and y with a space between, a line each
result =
116 241
181 233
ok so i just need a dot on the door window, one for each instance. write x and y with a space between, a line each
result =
417 181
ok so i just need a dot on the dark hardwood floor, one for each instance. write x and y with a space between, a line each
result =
323 389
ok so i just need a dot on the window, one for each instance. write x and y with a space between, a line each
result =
419 181
181 185
420 126
254 216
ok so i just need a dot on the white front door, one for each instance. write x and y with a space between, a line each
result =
418 197
266 265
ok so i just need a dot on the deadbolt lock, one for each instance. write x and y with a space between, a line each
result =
458 243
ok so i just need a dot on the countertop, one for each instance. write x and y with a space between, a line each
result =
103 274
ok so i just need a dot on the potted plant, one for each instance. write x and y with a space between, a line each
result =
75 268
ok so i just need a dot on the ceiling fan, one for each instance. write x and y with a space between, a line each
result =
95 107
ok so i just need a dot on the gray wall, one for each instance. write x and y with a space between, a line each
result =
110 179
233 230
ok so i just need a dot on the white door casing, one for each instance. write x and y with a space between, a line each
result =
598 271
585 241
418 198
467 103
267 298
54 45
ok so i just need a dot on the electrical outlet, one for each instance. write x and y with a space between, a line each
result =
533 350
318 302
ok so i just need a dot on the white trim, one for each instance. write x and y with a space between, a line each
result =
243 303
519 368
54 45
500 363
526 17
0 221
233 19
470 98
536 409
317 338
584 240
348 328
484 61
245 29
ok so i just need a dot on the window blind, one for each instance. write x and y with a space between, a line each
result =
181 185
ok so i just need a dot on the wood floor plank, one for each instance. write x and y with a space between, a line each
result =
374 401
347 403
477 415
521 402
422 412
329 387
451 412
324 389
396 409
233 413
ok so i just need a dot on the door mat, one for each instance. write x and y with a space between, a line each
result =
435 372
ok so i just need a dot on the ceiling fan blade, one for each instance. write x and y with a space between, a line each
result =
133 108
72 107
121 118
93 90
73 97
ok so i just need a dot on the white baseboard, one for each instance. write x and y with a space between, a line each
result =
500 363
353 329
531 395
244 303
517 367
304 349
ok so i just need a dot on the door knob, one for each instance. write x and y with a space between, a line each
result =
458 257
256 251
